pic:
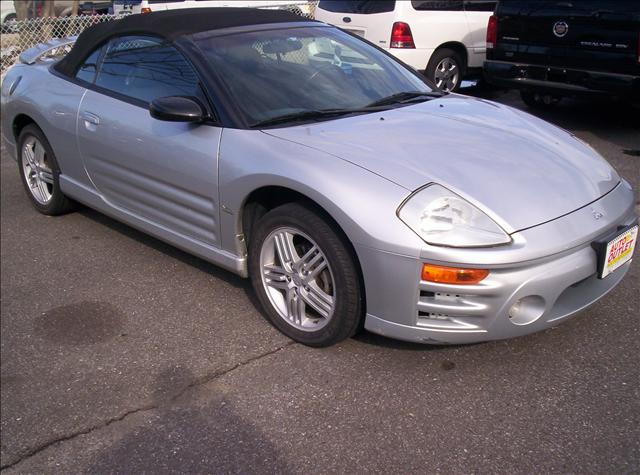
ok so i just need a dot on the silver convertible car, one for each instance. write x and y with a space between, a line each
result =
350 191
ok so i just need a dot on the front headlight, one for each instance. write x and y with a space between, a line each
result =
442 218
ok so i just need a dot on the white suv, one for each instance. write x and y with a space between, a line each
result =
444 38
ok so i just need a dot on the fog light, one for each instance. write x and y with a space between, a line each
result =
527 310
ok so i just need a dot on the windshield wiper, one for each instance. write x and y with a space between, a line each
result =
407 96
400 98
309 115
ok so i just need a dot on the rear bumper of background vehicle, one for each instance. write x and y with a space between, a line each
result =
561 80
547 289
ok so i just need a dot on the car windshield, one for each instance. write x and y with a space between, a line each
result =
280 73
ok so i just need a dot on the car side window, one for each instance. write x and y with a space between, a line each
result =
146 68
437 5
479 5
87 71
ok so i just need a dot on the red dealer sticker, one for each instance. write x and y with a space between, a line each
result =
618 251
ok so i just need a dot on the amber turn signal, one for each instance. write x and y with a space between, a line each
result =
452 275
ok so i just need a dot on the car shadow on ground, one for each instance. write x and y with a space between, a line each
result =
374 339
363 336
189 434
161 246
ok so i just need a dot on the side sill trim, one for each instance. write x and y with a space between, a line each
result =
219 257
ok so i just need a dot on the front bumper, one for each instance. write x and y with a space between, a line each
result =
560 80
550 288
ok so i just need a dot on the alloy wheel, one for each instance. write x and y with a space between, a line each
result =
37 173
447 74
298 279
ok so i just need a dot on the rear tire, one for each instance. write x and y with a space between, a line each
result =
40 173
446 69
313 295
535 100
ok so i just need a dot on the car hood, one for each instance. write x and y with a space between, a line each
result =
520 170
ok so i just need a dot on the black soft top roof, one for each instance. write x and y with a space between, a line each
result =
169 24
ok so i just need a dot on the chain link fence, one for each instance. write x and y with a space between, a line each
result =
19 36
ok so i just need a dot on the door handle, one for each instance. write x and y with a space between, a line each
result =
90 118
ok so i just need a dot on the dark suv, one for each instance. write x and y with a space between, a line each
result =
552 49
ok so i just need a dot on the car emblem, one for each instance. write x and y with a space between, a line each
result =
560 28
596 214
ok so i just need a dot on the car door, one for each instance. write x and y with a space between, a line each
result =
163 172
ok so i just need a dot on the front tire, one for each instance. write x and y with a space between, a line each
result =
305 276
40 172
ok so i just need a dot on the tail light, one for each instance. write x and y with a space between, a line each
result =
145 10
492 31
401 36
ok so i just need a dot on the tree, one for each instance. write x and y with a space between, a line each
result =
22 9
48 9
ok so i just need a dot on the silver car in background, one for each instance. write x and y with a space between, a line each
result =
337 179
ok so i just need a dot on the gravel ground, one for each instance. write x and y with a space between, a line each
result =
122 354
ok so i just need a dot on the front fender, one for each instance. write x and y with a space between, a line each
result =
363 204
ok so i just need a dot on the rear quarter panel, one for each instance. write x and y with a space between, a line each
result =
52 103
432 29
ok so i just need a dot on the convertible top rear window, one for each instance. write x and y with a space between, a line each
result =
170 25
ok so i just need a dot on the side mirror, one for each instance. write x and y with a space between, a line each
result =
176 109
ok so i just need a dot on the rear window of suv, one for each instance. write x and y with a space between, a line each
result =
358 6
446 5
455 5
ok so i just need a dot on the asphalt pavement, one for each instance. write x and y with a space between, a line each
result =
121 354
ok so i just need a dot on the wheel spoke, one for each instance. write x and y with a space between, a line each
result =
318 266
309 260
301 309
42 187
295 307
28 153
305 259
275 277
318 300
285 249
38 155
46 176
